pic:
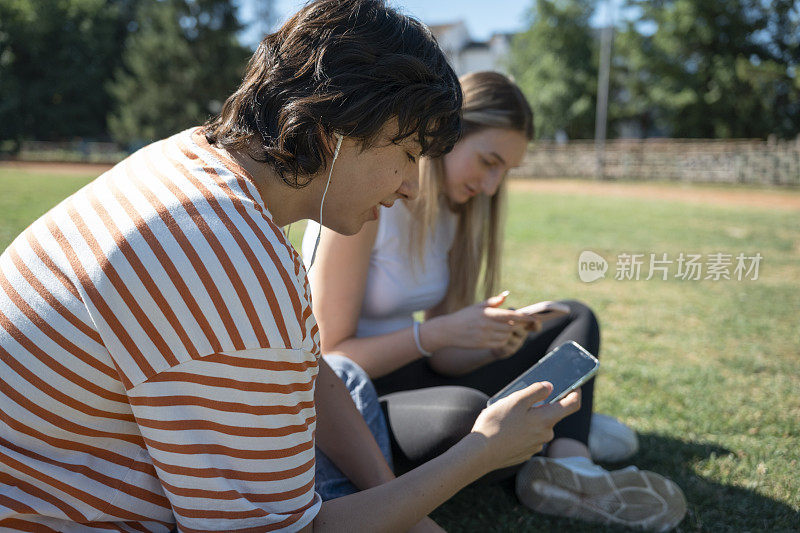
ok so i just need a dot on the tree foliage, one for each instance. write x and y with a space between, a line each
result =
181 61
555 63
143 69
683 68
726 68
135 69
54 60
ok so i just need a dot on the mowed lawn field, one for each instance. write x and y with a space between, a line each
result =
708 372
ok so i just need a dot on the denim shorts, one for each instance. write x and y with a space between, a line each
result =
330 482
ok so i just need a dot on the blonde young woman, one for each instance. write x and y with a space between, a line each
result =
433 377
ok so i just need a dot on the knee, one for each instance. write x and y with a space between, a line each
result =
427 422
465 405
580 309
471 400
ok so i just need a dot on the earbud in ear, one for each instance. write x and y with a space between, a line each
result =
339 139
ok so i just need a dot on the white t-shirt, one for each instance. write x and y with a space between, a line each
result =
397 286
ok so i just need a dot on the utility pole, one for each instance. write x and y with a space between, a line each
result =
606 36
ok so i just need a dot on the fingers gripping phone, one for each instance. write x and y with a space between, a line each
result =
545 311
567 367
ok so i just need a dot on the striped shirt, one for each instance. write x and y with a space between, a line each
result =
157 356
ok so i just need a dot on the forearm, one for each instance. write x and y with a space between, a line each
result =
453 361
343 435
382 354
401 503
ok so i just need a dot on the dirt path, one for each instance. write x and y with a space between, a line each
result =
64 169
784 199
703 194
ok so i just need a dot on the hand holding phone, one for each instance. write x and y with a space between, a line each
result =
513 432
544 311
567 367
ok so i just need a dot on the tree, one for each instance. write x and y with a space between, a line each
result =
727 68
54 60
181 61
555 64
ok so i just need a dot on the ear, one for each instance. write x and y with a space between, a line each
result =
339 139
332 144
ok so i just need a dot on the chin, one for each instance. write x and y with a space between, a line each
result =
461 200
351 227
455 199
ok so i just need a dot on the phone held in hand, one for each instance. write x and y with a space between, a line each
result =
545 311
567 367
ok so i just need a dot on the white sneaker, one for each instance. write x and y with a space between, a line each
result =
577 488
611 441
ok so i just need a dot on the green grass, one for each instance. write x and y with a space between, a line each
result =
26 195
707 372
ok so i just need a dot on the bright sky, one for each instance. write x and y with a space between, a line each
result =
483 17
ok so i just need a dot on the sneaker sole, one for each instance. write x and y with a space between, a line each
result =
633 498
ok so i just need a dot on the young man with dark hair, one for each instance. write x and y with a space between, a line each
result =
159 361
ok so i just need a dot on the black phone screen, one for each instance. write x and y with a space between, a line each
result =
562 367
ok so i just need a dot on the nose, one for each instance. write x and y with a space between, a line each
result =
409 188
491 181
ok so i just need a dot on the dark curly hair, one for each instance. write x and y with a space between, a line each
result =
340 66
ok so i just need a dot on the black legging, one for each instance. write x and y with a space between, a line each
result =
427 412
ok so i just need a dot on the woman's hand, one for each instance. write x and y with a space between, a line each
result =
512 430
514 342
486 326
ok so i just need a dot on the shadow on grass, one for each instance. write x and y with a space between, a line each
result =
712 506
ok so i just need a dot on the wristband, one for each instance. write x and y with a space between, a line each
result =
422 350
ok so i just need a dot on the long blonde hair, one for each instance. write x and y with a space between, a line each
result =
491 100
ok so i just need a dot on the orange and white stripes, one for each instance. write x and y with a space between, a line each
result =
157 356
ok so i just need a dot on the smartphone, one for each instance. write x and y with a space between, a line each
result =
545 311
567 367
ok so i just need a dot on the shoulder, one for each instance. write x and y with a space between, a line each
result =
189 263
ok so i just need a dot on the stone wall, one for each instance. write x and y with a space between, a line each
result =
772 162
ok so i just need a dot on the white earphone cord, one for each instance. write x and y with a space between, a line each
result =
322 203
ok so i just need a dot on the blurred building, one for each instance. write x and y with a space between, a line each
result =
467 55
